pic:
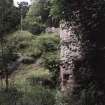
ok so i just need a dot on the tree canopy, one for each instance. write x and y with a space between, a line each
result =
10 16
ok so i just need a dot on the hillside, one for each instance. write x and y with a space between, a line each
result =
28 67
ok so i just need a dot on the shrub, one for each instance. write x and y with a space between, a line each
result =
37 96
51 62
36 29
45 82
10 97
34 46
48 42
25 43
43 44
20 40
28 60
33 27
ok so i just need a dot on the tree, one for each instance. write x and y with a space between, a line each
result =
40 10
37 16
9 19
23 7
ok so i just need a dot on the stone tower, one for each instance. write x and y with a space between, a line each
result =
70 51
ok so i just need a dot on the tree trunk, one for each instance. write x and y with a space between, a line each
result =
6 79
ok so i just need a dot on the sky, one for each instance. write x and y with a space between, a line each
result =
15 1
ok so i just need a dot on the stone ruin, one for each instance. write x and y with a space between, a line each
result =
69 52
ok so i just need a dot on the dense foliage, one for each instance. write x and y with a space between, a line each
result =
37 95
28 59
8 16
37 16
87 18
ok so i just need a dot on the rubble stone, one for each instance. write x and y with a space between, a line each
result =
69 51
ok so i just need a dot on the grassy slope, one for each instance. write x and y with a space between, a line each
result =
21 92
20 76
34 45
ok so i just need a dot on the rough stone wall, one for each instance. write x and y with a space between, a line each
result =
69 52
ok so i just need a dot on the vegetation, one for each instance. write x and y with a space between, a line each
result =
30 79
87 18
7 21
29 58
37 95
36 17
22 63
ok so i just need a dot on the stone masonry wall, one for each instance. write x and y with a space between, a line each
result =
69 52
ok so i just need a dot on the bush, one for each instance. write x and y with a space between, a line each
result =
37 96
43 44
51 62
33 27
34 46
45 82
36 29
24 42
10 97
28 60
49 46
20 40
48 42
